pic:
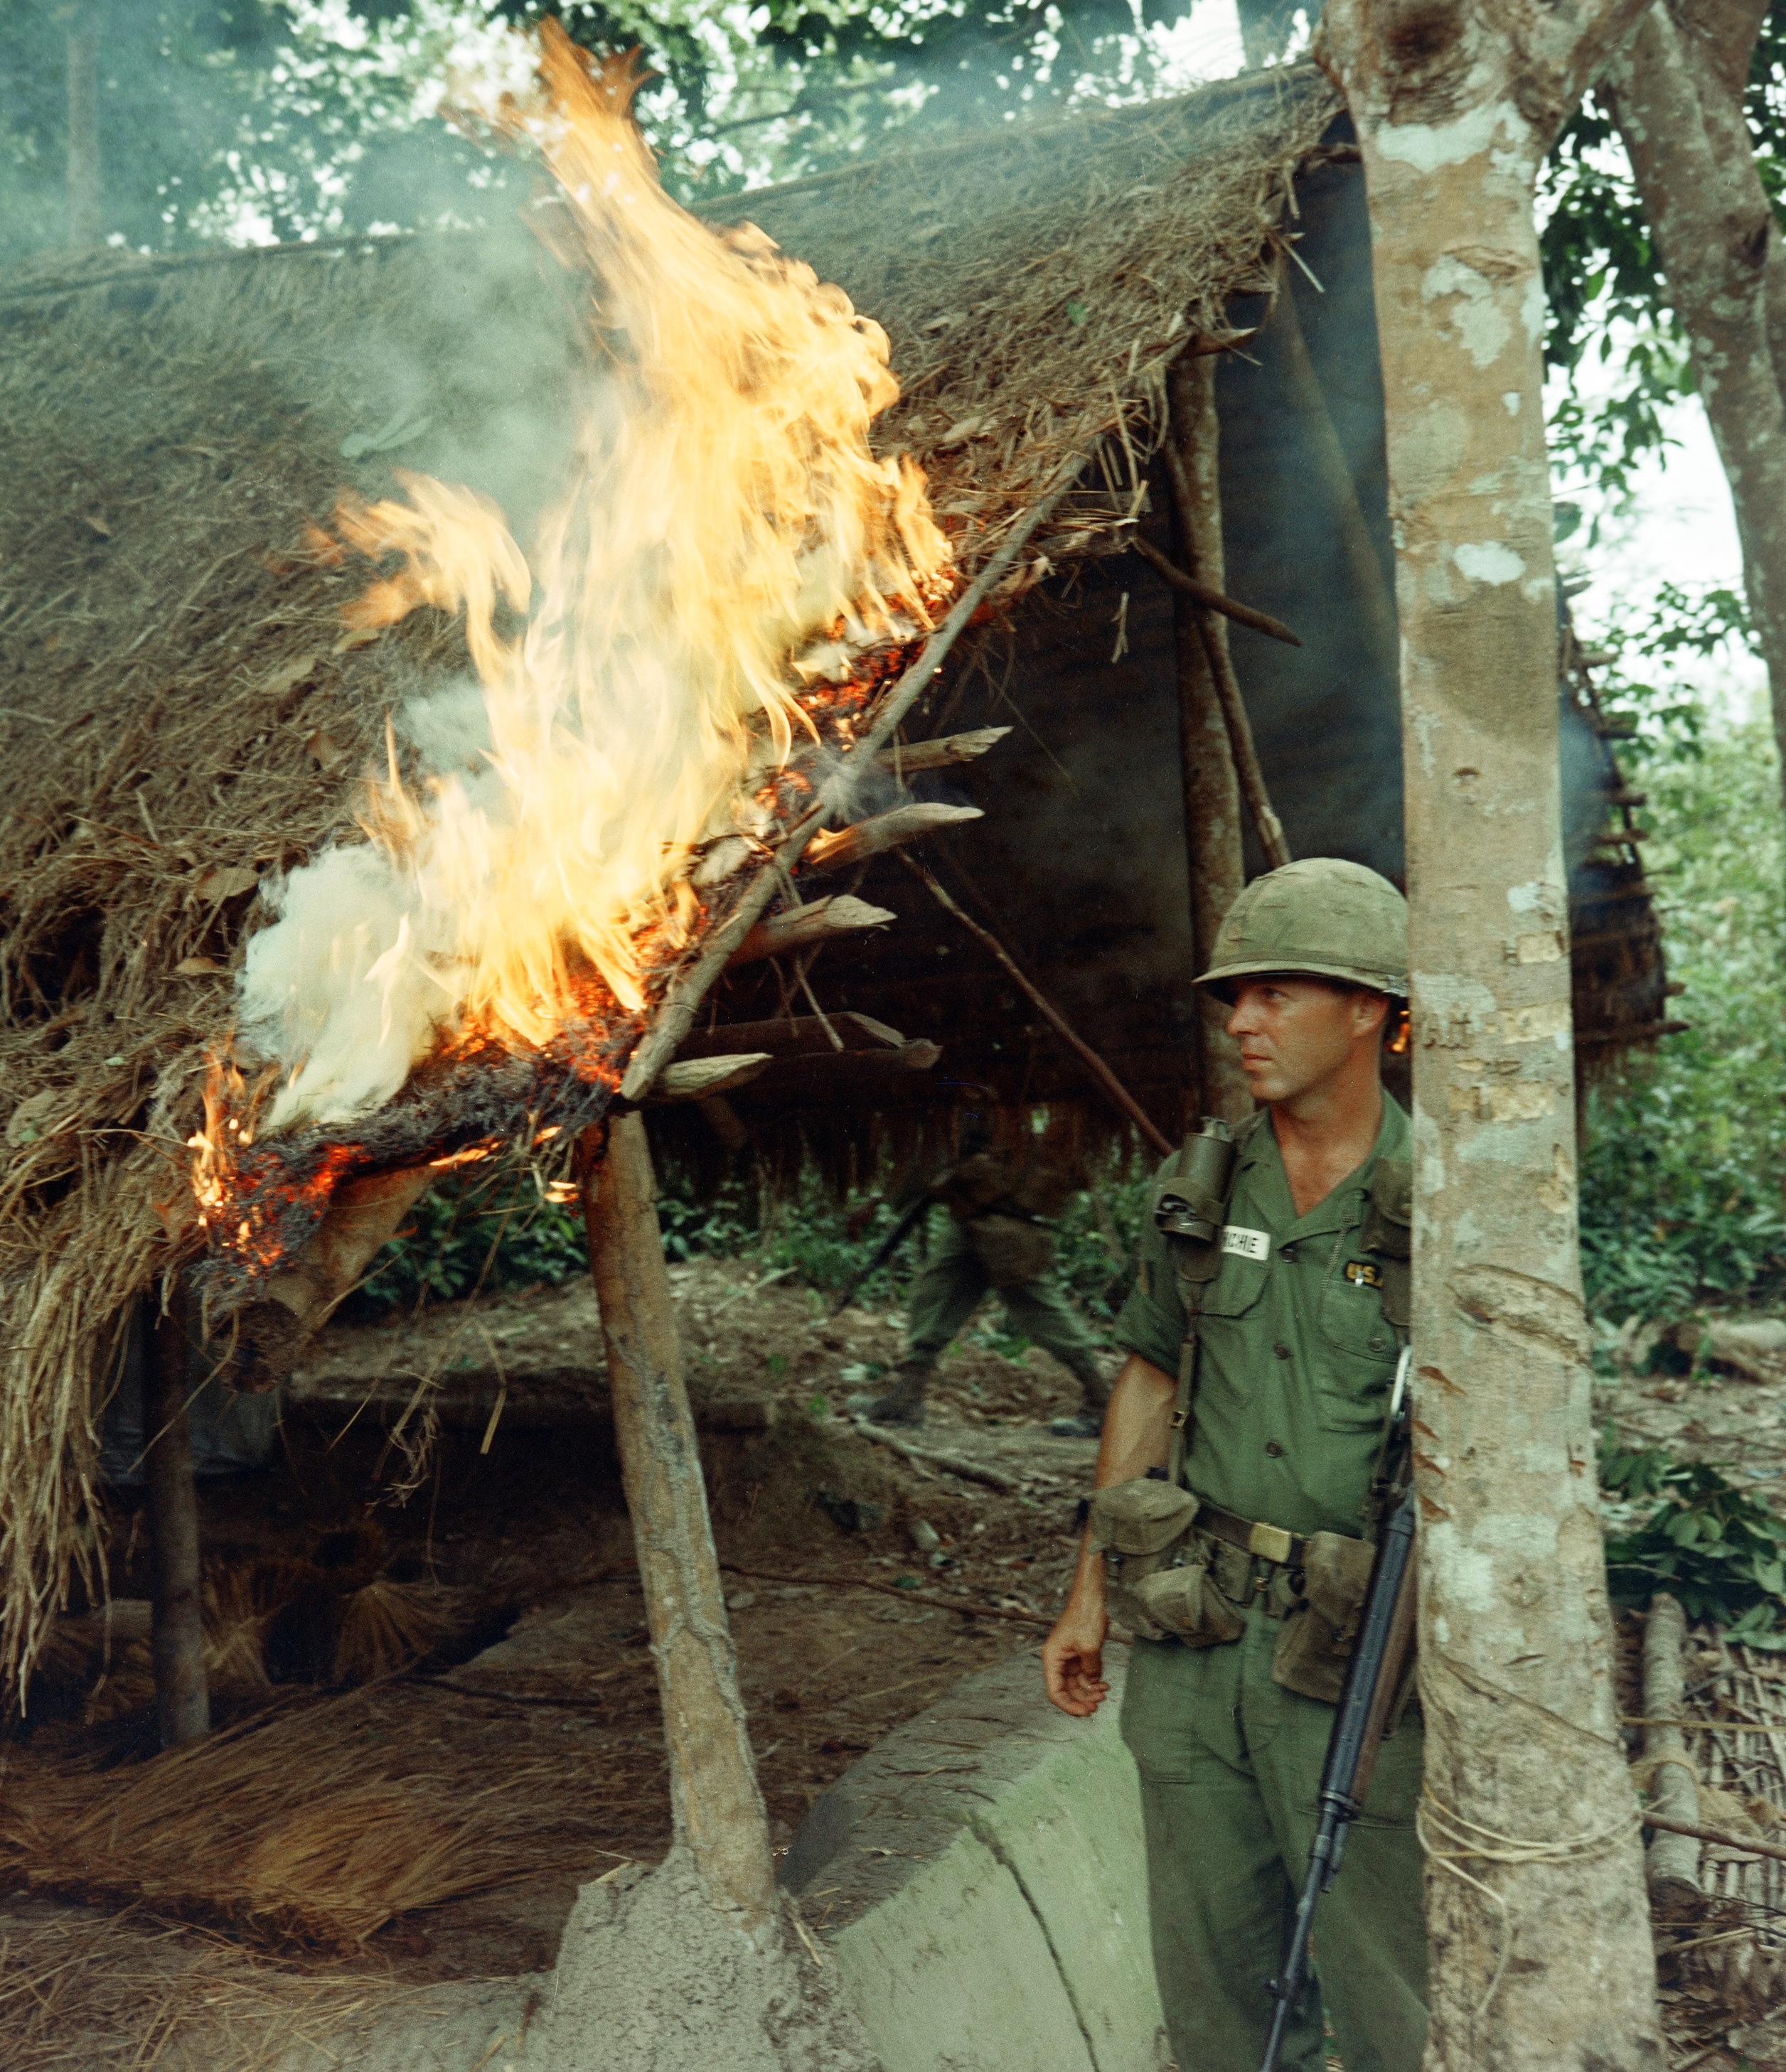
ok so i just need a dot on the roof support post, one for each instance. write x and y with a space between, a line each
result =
1212 789
183 1696
714 1799
1535 1905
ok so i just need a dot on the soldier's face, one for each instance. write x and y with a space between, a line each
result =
1296 1034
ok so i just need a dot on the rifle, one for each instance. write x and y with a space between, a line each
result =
1373 1677
882 1252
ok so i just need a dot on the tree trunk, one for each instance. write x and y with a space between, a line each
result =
176 1642
1676 93
1212 791
82 166
1527 1798
716 1806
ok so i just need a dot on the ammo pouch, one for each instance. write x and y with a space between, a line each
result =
1321 1624
1156 1566
1011 1248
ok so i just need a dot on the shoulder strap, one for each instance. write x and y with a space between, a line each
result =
1211 1263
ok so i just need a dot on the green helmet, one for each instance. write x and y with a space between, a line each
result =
1321 917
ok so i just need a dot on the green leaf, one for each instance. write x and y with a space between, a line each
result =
1077 313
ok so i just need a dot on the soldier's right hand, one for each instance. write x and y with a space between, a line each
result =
1072 1659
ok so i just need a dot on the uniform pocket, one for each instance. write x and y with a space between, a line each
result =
1360 1350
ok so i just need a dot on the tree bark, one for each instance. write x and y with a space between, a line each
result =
1527 1794
714 1800
1676 91
1211 790
82 166
176 1632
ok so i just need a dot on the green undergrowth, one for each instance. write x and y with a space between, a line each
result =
1684 1527
491 1228
1684 1159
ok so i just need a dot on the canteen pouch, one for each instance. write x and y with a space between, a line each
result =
1139 1527
1185 1599
1316 1643
1011 1249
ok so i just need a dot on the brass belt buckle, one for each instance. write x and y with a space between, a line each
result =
1270 1541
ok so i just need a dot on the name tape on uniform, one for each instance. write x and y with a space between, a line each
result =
1364 1273
1246 1243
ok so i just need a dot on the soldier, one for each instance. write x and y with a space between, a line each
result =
1001 1200
1283 1332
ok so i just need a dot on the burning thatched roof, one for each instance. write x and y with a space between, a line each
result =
183 713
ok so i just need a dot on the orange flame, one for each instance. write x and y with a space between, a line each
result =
730 545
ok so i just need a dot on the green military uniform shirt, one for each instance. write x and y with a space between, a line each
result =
1295 1356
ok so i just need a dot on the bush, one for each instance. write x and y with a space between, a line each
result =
1685 1154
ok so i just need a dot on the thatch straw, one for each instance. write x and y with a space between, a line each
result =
299 1826
387 1627
180 712
112 1994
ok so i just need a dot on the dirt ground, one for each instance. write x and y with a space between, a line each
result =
392 1466
467 1456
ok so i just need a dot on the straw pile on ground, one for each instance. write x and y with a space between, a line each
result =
125 1995
182 715
318 1830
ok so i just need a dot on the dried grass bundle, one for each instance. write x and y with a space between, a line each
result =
387 1626
298 1826
196 720
101 1659
240 1603
116 1995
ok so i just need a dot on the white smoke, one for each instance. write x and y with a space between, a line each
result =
356 979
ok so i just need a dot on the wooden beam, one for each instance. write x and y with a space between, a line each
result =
801 926
704 1079
885 831
715 1803
904 759
798 1036
176 1632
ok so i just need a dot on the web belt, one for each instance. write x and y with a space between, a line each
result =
1270 1543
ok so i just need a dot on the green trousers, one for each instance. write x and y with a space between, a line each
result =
1230 1766
954 1284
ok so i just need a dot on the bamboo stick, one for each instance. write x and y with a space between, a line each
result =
1212 600
1214 853
176 1632
1673 1864
1118 1093
715 1801
1239 728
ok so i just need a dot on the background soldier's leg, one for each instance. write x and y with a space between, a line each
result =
1218 1897
945 1294
1370 1937
1039 1310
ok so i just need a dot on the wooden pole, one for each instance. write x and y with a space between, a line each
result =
1118 1094
183 1699
1206 757
714 1799
1673 1864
